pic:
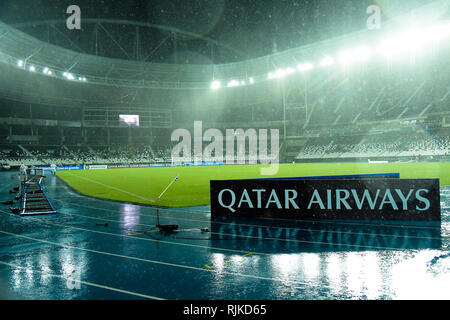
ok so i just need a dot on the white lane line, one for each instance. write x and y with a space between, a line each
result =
168 264
82 282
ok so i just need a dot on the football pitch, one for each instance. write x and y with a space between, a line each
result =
144 185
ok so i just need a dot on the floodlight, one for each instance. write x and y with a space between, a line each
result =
305 67
438 32
390 47
345 57
280 73
215 85
233 83
251 80
326 62
32 68
363 53
308 66
20 63
289 70
413 38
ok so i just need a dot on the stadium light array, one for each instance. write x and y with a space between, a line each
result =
280 73
409 42
72 77
233 83
289 71
438 32
68 76
305 67
47 71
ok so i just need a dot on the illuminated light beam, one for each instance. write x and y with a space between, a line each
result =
390 48
280 73
413 39
363 53
215 85
438 32
289 71
326 62
305 67
345 58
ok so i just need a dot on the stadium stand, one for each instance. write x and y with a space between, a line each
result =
418 146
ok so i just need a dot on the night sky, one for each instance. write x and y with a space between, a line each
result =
252 27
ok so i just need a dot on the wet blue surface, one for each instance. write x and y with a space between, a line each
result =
238 259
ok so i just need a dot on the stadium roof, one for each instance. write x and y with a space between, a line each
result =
23 51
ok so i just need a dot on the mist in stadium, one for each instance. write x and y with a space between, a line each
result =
224 150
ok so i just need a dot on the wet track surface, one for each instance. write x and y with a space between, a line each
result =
75 255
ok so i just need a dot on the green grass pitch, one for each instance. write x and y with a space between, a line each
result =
144 185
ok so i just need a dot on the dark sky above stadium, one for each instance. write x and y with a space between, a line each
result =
252 27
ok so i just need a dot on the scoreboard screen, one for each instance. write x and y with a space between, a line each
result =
129 119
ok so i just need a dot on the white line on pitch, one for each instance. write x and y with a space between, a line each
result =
114 188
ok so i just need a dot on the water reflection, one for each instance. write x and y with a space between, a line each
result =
130 215
335 260
278 236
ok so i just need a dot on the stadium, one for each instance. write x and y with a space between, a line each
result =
113 135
